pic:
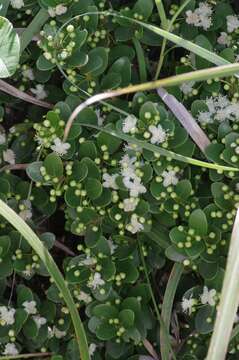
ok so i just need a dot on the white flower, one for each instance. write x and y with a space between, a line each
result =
10 349
2 138
39 321
134 226
187 304
58 10
60 147
7 316
39 92
204 117
224 39
220 108
127 162
17 4
9 156
109 181
134 186
112 246
92 348
28 73
200 17
26 214
100 119
169 178
192 18
232 23
187 87
30 307
207 297
158 134
88 261
27 272
58 333
129 124
130 204
96 281
82 296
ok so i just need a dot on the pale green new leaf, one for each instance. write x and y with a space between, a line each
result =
9 48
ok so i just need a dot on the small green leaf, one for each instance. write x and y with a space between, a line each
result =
198 222
53 165
126 318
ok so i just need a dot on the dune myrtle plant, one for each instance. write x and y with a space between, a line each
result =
118 199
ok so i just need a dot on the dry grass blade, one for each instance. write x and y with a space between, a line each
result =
229 300
11 90
185 118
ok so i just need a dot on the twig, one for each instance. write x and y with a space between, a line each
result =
14 167
63 247
149 347
185 118
25 356
11 90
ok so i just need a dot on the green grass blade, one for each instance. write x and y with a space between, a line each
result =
167 306
229 301
33 28
141 60
156 309
4 4
162 14
16 221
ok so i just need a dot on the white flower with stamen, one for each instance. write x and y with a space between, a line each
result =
134 226
92 349
130 204
200 17
9 156
109 181
7 316
10 349
129 124
2 138
82 296
187 87
58 333
39 321
100 118
169 178
30 307
17 4
224 39
96 281
39 92
58 10
204 117
232 23
135 187
88 261
208 296
187 304
60 147
28 73
112 246
26 214
158 134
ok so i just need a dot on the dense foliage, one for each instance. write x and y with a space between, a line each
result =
115 215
